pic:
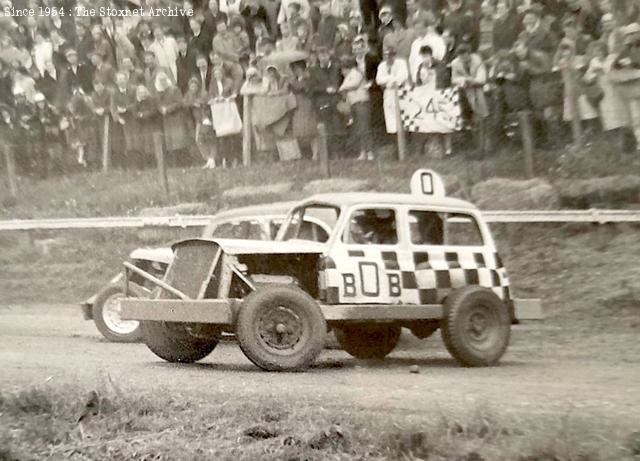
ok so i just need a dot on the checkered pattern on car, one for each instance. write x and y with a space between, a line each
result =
425 276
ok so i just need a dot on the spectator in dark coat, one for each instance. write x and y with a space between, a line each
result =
147 122
47 137
101 70
254 13
75 74
199 40
6 84
326 79
536 34
173 120
506 27
125 131
212 15
327 26
99 45
50 84
185 63
461 22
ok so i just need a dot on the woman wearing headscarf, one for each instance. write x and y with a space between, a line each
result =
174 123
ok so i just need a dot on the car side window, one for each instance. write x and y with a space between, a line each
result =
426 228
462 230
247 230
452 229
373 226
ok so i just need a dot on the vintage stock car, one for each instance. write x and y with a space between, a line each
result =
423 261
259 222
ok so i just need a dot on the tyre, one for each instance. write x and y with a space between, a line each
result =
368 341
476 326
281 328
179 342
106 315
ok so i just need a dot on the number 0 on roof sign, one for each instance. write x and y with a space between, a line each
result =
427 182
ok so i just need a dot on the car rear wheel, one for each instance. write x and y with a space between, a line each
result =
368 341
476 326
106 312
179 342
281 328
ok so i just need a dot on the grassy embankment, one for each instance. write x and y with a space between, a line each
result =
42 422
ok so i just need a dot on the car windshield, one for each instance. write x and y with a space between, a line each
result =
313 222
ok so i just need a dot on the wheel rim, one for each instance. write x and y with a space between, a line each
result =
482 328
282 330
112 316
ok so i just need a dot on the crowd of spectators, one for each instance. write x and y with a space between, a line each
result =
68 80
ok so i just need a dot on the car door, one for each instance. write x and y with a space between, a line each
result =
366 257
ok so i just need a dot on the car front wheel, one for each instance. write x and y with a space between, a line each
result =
108 319
281 328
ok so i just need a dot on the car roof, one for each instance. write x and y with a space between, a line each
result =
267 209
356 198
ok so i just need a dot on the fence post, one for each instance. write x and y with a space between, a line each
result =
160 161
246 130
106 146
527 142
323 151
401 136
571 91
11 170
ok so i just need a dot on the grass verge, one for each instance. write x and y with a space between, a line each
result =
111 423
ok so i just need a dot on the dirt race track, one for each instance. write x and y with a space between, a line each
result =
53 344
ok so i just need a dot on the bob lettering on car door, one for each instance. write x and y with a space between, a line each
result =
368 258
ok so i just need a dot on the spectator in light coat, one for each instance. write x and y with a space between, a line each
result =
392 73
165 50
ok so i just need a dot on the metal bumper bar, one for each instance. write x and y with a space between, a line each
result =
218 311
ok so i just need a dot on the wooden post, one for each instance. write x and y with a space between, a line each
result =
106 146
401 136
11 171
160 161
571 91
527 142
323 151
246 130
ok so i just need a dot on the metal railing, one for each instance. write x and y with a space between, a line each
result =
532 216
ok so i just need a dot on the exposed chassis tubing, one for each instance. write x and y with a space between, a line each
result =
224 311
